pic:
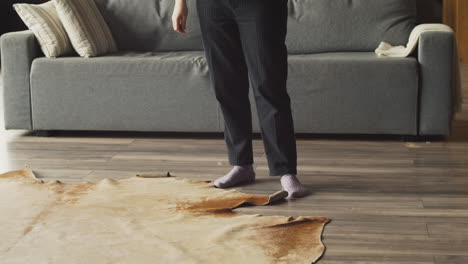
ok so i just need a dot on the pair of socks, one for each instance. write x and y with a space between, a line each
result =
241 174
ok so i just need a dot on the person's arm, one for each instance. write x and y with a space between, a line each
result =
179 16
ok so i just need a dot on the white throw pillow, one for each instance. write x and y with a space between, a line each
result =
88 31
45 23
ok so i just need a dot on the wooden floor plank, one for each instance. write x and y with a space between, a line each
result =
451 259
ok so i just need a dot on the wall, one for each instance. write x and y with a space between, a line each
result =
10 20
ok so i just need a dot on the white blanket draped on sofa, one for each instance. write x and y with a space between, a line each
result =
387 50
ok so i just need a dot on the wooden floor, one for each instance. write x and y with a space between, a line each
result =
390 201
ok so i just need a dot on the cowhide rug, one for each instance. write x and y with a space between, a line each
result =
145 220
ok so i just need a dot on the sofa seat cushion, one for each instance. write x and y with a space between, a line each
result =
356 92
153 91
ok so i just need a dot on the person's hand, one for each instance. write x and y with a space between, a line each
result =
179 16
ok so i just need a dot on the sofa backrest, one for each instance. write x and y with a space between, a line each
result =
313 25
348 25
146 25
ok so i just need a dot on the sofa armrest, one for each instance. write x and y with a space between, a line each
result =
18 50
435 56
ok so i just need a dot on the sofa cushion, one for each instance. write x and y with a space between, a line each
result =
348 25
45 23
356 92
87 29
153 91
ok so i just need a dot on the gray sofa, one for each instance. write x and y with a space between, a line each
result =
159 80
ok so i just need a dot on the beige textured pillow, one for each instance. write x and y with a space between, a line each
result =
86 28
45 23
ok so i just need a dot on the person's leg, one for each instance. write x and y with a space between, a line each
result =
262 25
229 78
263 28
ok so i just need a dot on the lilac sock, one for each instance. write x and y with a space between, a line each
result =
237 175
293 186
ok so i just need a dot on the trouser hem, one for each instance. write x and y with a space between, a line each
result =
240 163
281 172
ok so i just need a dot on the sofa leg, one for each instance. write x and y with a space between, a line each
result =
43 133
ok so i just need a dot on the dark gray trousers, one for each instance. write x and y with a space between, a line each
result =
245 40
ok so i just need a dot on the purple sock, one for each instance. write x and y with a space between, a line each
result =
237 175
293 186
